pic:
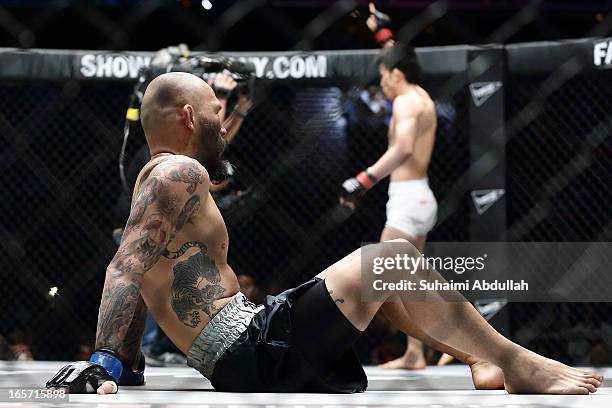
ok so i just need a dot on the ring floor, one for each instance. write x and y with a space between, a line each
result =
434 387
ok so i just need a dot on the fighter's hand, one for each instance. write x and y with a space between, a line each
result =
84 377
377 19
244 102
352 189
223 84
371 21
347 203
355 187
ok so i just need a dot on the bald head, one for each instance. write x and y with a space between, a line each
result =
180 115
168 102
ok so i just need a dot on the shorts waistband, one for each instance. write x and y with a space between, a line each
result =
414 183
411 181
220 333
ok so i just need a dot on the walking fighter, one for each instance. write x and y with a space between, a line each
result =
412 206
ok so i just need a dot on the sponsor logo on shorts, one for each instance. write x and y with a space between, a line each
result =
484 199
602 53
482 91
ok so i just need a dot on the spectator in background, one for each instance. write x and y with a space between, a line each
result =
16 349
248 287
84 352
5 350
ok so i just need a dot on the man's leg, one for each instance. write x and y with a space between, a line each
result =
485 376
390 233
459 327
414 357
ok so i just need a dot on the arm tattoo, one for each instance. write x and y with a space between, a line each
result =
156 234
191 207
195 288
183 248
155 217
188 173
133 338
147 196
339 300
115 315
146 249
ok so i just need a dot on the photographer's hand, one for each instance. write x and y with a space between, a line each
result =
236 117
243 105
223 85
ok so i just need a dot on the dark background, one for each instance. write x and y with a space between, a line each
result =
272 25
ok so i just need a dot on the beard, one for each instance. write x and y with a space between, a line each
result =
210 154
218 170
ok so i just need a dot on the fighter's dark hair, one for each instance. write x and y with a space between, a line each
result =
402 57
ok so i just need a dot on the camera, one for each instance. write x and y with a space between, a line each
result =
179 59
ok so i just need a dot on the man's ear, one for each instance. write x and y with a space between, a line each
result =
188 116
397 75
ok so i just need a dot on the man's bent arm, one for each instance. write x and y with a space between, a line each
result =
167 200
405 117
132 343
234 120
379 24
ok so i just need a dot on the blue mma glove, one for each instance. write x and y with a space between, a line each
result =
117 368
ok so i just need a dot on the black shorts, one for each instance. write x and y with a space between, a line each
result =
299 342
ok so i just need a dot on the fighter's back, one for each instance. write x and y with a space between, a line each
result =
419 104
191 281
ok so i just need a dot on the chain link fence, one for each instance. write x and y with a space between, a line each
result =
61 141
559 169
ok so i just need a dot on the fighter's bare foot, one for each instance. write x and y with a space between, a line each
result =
487 376
409 361
530 373
445 359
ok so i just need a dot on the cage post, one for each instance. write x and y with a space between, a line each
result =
487 172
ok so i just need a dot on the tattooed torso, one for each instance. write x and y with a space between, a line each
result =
191 281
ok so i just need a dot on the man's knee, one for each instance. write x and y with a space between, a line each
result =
398 246
388 249
397 240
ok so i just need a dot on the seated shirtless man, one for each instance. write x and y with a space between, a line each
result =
172 261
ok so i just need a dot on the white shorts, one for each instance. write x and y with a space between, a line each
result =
412 207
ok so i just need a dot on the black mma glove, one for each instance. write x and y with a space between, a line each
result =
81 377
357 186
382 20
